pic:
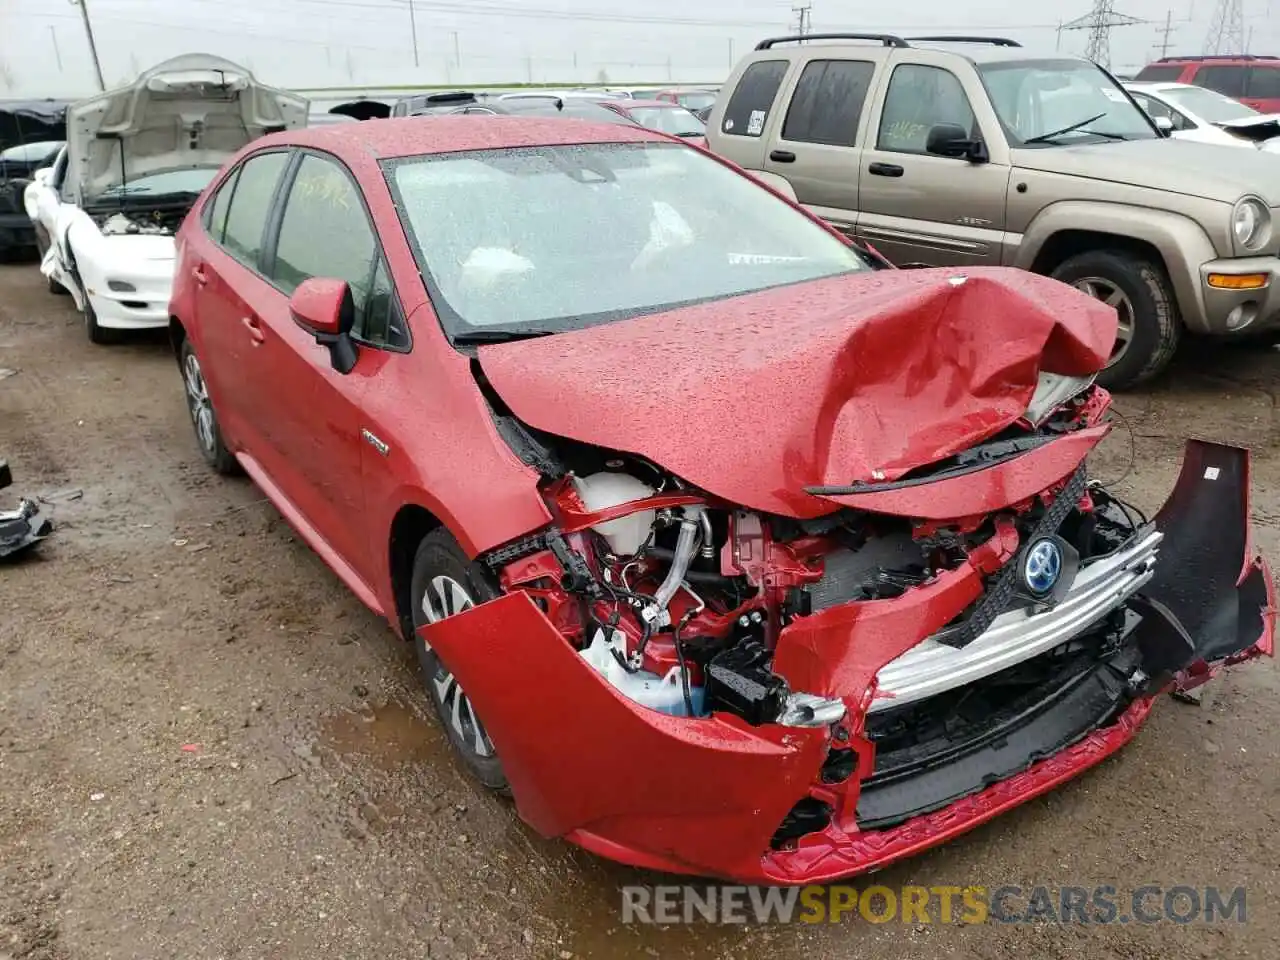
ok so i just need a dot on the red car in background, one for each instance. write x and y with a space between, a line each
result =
723 550
663 116
1254 81
691 98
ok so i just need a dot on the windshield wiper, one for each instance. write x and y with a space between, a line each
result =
1046 137
472 337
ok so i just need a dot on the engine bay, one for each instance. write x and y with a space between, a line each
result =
678 599
161 221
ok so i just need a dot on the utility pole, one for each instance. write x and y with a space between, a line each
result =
803 12
1167 33
413 31
57 54
457 51
93 46
1057 46
1099 22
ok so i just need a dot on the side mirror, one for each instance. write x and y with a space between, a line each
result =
952 140
1164 125
323 307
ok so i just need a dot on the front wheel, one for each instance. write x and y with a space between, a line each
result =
446 583
1148 328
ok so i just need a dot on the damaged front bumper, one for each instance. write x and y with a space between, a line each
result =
717 796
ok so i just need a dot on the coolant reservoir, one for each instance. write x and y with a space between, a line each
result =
603 490
664 694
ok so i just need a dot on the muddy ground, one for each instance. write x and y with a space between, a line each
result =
208 748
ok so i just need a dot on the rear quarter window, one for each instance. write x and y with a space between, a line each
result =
1161 74
748 108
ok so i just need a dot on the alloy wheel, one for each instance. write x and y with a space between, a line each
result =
1112 296
198 402
445 597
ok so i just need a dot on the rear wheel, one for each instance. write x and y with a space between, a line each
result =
1148 329
444 584
203 417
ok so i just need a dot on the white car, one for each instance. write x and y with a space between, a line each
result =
136 160
1202 115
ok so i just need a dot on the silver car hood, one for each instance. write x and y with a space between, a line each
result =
1176 166
195 110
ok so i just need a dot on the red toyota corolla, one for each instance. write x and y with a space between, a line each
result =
752 558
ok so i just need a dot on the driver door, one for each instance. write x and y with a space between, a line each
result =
916 207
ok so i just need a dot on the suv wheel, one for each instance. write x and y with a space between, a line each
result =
1149 328
445 583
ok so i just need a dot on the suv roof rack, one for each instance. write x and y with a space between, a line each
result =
994 41
887 39
1217 56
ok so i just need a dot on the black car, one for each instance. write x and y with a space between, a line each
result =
31 134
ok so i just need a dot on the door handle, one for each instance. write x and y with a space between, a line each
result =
885 170
255 329
782 156
198 274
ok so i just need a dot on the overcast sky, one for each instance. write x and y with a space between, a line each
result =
315 43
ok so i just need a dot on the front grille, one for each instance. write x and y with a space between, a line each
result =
999 595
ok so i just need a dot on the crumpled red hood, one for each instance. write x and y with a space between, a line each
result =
854 378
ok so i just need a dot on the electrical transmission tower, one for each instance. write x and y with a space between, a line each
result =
1226 29
1099 22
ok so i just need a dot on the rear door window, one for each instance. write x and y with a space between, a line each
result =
827 104
1228 81
748 109
1264 83
251 202
1160 74
216 212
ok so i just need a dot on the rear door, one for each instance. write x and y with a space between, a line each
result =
916 207
1227 79
228 281
1262 88
818 145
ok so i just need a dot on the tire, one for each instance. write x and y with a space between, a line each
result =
56 288
97 334
204 420
440 566
1141 288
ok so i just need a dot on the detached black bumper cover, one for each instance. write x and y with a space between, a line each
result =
20 529
1211 602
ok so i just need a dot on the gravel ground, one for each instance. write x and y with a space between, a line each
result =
208 748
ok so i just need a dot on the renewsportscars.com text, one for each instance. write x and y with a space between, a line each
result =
1004 903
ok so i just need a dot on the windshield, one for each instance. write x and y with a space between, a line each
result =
189 180
1208 105
558 238
1038 98
674 120
27 152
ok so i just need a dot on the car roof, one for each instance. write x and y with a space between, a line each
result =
415 136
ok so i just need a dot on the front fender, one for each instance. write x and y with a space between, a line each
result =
706 794
1182 243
